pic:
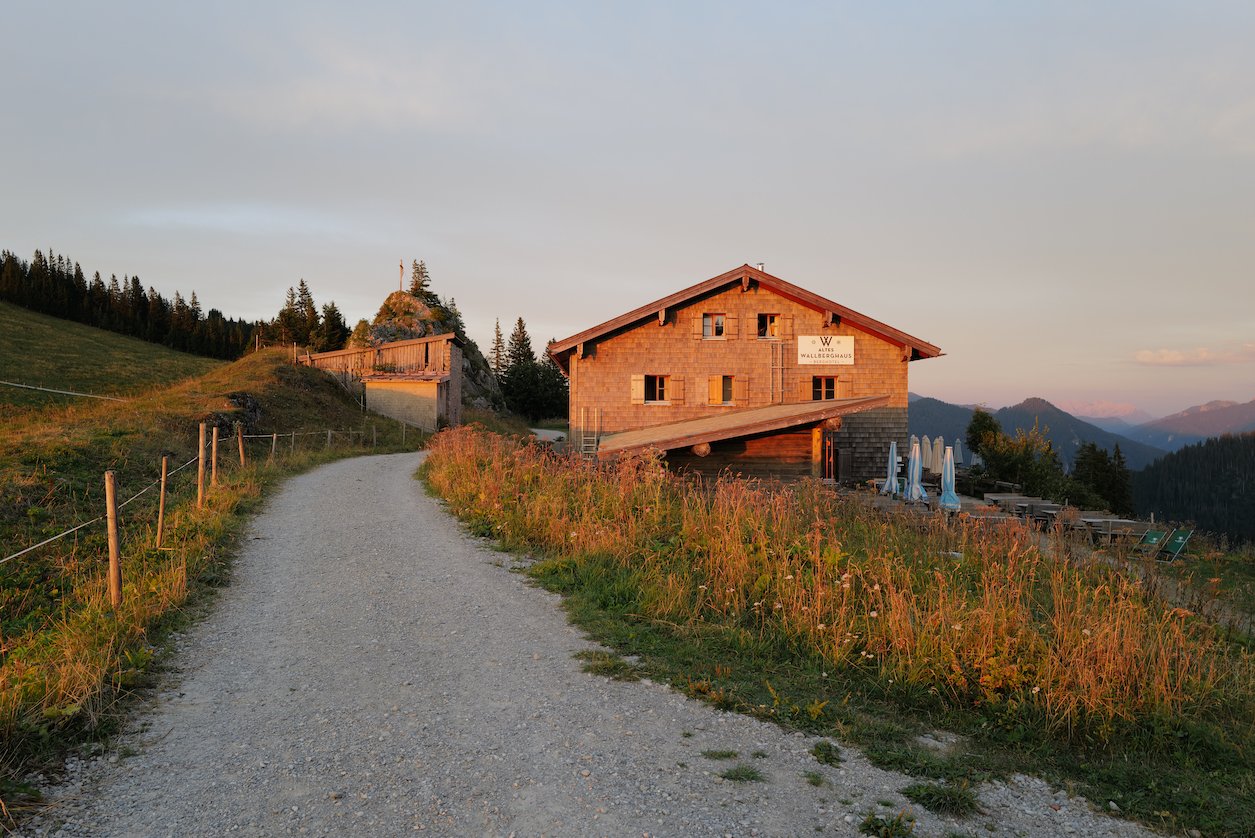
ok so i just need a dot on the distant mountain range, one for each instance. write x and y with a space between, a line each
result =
1196 423
1066 432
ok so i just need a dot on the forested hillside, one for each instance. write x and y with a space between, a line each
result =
54 285
1211 483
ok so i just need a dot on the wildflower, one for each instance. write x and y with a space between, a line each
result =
874 614
876 587
779 605
958 627
821 626
1085 632
1036 690
701 587
789 576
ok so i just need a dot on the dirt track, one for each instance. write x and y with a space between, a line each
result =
374 671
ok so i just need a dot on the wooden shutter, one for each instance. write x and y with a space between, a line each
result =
805 388
714 392
697 327
786 326
638 389
675 389
740 390
729 326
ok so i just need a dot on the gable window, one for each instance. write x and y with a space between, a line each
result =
713 326
769 326
655 388
823 388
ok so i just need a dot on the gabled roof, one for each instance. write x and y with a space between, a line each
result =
561 350
733 424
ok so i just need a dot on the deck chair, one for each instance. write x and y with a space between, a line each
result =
1152 541
1175 545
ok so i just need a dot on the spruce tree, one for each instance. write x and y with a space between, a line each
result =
497 354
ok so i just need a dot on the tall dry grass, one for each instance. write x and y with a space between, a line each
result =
973 614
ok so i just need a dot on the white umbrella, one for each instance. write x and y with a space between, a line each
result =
949 500
914 441
939 448
926 452
958 452
914 487
891 482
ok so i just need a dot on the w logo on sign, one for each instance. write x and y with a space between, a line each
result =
825 339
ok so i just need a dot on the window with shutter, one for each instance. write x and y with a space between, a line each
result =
638 389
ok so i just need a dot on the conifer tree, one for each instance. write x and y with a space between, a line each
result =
497 354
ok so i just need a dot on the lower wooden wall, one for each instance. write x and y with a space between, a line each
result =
868 434
785 454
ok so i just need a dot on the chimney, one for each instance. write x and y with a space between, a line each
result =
759 265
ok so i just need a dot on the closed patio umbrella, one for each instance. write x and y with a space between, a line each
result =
949 500
914 485
958 452
939 448
926 453
891 482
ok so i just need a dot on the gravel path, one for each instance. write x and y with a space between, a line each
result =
372 670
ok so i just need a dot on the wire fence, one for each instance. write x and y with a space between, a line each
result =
212 455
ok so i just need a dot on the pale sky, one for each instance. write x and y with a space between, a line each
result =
1061 196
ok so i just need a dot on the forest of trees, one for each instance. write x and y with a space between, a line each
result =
1210 483
56 286
1098 479
532 388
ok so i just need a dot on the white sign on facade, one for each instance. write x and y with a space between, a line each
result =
825 349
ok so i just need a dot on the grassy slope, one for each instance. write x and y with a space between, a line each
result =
631 579
64 654
49 352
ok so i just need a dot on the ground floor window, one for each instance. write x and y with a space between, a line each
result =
823 387
655 388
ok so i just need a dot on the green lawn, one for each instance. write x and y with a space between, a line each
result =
59 354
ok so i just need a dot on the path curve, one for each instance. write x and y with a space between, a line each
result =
372 670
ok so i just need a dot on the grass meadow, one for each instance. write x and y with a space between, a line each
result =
797 604
66 656
49 352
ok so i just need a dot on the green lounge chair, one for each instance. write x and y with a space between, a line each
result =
1175 545
1152 541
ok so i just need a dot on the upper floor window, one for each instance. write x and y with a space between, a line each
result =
720 390
769 326
713 325
655 388
823 387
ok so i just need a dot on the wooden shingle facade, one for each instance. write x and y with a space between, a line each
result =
746 372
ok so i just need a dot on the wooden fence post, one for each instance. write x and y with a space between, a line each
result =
213 459
161 504
294 442
111 517
239 438
328 437
274 443
402 434
374 430
200 469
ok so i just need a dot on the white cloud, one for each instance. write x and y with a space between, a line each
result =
1200 357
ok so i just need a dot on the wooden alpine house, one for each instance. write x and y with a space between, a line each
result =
744 372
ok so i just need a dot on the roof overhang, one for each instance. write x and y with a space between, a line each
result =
734 425
913 348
